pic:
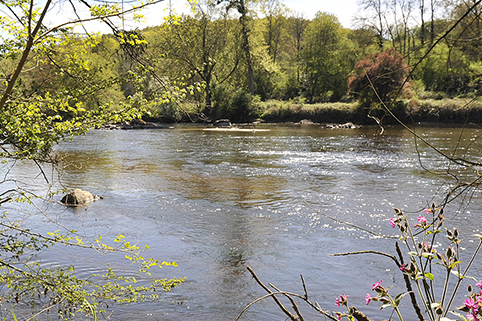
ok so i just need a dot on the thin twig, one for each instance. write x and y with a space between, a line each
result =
293 304
278 302
408 285
316 306
368 252
304 286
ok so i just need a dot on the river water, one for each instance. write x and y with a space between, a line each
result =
277 201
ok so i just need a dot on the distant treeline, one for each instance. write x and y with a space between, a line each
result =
230 59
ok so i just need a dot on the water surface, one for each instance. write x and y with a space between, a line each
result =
216 202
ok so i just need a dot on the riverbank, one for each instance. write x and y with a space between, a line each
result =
443 110
447 110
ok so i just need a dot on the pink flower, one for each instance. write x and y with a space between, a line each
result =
479 285
427 211
368 298
402 267
341 300
392 222
473 307
472 316
422 219
471 304
377 285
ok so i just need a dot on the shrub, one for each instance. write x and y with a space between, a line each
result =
380 77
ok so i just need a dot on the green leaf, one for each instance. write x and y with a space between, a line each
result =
456 314
425 254
460 276
398 298
429 276
413 253
387 305
451 266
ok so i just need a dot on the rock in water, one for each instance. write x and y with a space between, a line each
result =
79 197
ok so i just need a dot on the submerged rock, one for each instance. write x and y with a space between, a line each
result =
79 197
222 123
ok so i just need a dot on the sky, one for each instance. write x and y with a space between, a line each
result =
343 9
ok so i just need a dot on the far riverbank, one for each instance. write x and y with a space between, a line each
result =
444 111
457 111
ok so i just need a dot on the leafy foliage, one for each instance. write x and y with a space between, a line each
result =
326 56
380 77
59 289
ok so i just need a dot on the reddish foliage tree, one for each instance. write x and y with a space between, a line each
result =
379 76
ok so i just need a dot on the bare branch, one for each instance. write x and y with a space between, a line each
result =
278 302
368 252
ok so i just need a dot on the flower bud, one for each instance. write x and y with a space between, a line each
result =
440 257
450 252
450 235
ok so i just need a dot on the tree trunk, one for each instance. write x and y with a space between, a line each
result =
422 27
247 50
26 51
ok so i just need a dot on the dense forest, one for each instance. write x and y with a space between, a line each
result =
246 60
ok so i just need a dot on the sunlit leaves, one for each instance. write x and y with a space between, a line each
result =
100 10
61 287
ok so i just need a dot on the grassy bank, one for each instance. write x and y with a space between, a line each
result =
447 110
282 111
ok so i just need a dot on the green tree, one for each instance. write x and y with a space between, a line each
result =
275 22
200 46
292 62
244 19
445 70
326 53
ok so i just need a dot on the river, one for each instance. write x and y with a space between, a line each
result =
216 202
